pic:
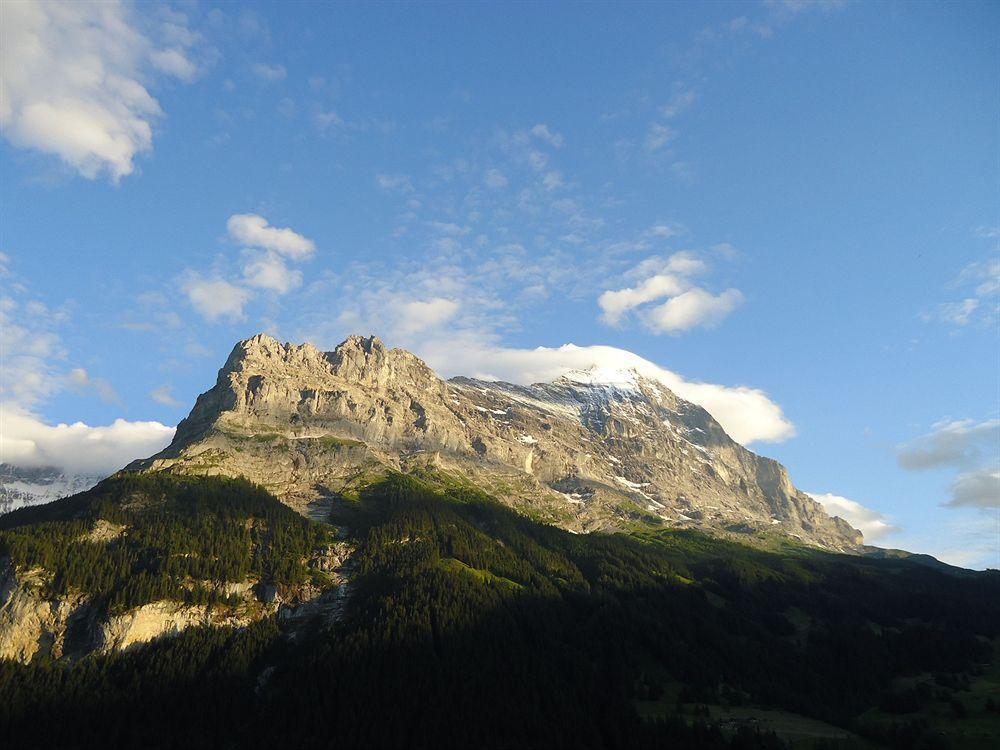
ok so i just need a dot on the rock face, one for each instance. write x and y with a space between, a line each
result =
593 450
72 625
30 623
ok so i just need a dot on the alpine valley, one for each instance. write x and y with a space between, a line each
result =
341 549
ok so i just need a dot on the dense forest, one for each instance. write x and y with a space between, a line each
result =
468 625
186 539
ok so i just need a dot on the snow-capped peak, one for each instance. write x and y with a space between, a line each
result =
624 378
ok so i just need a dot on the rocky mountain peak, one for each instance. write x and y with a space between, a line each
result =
370 345
597 448
263 353
365 359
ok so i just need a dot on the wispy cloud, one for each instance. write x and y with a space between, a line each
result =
394 183
216 299
979 285
164 394
36 368
542 132
269 72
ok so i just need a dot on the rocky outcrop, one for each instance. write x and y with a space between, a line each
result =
35 623
32 623
157 619
29 622
590 451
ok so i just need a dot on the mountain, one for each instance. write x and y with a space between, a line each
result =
426 614
593 450
341 549
24 486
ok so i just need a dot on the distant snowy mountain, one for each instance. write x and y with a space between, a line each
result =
20 486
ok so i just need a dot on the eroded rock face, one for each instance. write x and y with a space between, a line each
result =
30 623
158 619
72 625
589 451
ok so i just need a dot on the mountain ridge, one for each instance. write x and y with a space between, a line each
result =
592 450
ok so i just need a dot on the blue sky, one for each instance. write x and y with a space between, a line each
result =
790 207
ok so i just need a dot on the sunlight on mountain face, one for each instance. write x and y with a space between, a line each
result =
451 376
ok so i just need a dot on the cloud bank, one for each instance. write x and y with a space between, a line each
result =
78 448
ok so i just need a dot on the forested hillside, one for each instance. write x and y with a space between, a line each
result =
468 625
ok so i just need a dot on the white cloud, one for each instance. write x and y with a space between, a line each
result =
34 371
658 136
542 132
552 180
956 313
80 380
615 304
216 298
287 108
871 523
692 309
684 263
325 119
269 73
30 346
983 277
537 160
164 394
747 414
495 179
267 255
394 182
253 231
25 440
268 271
968 447
448 228
795 7
680 101
175 62
981 282
688 306
72 82
666 230
420 315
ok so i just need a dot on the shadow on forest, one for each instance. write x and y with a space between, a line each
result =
471 626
